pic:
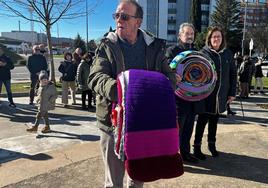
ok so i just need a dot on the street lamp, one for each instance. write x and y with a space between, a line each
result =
87 25
244 29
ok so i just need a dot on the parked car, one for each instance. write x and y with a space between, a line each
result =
265 59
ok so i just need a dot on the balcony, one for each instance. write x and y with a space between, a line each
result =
171 21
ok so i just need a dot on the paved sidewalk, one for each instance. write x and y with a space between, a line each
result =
70 155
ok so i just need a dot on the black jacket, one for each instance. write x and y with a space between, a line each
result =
68 70
5 70
183 106
226 83
36 63
246 71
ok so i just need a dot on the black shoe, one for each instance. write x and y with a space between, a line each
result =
12 105
198 153
212 149
230 112
189 158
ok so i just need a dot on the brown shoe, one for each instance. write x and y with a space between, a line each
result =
32 129
46 129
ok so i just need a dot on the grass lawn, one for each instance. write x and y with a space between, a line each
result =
59 56
23 87
264 79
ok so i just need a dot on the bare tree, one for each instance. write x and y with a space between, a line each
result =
47 12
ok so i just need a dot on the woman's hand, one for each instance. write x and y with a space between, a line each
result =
230 99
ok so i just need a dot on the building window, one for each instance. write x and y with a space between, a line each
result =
172 5
171 32
172 11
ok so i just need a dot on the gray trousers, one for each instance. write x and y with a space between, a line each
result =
114 167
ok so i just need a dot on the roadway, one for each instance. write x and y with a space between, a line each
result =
21 73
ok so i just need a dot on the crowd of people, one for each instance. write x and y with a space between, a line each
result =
130 47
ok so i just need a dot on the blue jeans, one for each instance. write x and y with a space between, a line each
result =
7 84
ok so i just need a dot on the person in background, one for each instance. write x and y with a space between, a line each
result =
36 63
127 48
5 76
223 93
244 73
77 56
79 51
186 110
82 76
258 77
68 69
47 95
238 59
44 52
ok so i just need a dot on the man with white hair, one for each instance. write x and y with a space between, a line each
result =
36 63
186 110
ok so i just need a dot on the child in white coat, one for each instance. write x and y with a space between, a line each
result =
47 95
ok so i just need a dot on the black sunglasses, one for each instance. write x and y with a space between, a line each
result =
123 16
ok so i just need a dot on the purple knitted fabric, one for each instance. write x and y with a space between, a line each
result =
151 140
150 102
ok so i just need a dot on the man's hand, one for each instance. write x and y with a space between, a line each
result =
230 99
2 63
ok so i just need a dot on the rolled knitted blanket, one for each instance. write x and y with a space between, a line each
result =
146 133
198 75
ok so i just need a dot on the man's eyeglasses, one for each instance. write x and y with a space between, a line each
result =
123 16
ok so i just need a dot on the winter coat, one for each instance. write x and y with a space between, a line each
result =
68 70
109 62
5 73
226 83
82 75
46 97
258 70
36 63
245 71
183 106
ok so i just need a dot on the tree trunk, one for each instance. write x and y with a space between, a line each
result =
49 44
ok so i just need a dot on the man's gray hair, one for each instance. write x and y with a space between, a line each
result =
186 24
139 11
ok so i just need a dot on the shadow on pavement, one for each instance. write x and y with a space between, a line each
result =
233 165
243 120
254 99
25 113
66 135
8 155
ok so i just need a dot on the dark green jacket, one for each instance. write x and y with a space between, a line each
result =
82 74
109 62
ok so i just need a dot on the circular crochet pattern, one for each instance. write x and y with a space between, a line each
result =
198 75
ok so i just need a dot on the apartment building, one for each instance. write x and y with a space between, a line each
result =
163 17
257 12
